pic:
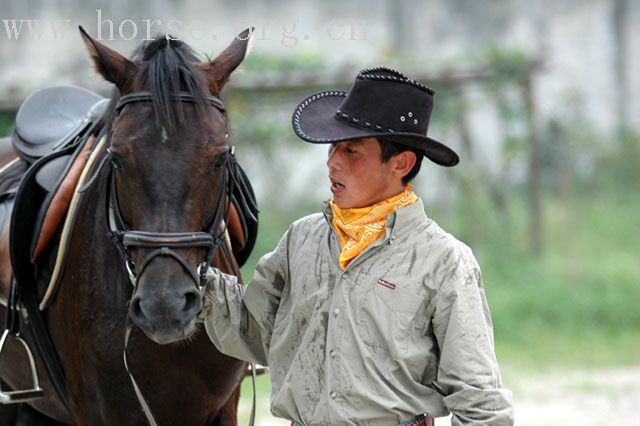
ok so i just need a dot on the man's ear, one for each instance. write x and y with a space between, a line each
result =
403 163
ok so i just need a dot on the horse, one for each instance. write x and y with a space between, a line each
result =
162 166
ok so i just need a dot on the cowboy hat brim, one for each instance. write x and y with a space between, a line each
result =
314 120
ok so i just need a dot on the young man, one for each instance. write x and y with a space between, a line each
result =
367 313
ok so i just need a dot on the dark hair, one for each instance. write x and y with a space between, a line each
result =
390 149
166 67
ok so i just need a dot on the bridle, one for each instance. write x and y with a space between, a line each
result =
165 243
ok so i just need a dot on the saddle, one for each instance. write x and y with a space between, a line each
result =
53 138
52 135
52 118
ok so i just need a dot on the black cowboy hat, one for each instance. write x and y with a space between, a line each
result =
382 103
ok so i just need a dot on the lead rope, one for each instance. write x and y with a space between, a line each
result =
141 400
253 404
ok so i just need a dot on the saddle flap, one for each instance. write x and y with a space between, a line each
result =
51 117
29 199
244 201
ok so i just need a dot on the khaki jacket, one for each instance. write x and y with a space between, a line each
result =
404 330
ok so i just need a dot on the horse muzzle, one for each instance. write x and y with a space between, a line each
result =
165 303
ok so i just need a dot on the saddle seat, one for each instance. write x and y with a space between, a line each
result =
53 117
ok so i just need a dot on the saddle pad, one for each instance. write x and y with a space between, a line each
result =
57 207
69 221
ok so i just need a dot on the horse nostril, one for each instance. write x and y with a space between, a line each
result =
192 303
136 311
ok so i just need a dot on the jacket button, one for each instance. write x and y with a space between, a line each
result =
332 353
332 394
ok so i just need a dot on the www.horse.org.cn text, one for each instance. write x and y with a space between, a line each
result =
288 33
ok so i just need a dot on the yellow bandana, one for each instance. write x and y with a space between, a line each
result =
359 227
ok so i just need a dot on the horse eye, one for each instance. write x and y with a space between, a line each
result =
116 162
217 165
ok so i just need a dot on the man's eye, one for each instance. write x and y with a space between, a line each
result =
351 151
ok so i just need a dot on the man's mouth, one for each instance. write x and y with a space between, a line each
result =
336 186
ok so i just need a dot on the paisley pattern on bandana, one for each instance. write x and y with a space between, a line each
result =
358 227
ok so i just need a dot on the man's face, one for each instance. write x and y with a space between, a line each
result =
358 176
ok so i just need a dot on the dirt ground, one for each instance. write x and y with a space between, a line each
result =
585 398
579 398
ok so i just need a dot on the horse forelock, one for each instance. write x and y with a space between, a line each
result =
166 66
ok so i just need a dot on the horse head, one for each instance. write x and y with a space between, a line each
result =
170 154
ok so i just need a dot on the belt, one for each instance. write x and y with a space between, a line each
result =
421 420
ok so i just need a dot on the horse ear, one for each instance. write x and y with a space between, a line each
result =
107 62
220 68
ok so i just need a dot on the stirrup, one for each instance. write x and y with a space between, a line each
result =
13 397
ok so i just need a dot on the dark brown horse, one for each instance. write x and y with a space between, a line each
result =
167 156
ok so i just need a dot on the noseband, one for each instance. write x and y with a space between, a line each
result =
164 243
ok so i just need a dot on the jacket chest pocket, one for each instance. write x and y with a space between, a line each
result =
387 313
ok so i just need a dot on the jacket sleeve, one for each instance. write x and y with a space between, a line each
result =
468 375
239 318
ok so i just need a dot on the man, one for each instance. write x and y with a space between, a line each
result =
367 313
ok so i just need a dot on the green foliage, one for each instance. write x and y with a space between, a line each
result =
6 123
508 65
583 293
619 169
301 59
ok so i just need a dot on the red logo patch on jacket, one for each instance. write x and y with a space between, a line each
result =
386 284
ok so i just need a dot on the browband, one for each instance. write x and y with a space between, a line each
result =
167 239
181 97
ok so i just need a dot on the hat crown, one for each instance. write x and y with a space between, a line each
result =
385 100
384 73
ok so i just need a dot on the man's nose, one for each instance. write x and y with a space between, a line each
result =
332 161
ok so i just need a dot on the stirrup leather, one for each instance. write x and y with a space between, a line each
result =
13 397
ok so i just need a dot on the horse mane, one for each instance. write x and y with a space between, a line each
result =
165 66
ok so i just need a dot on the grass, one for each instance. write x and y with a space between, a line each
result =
263 392
576 305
